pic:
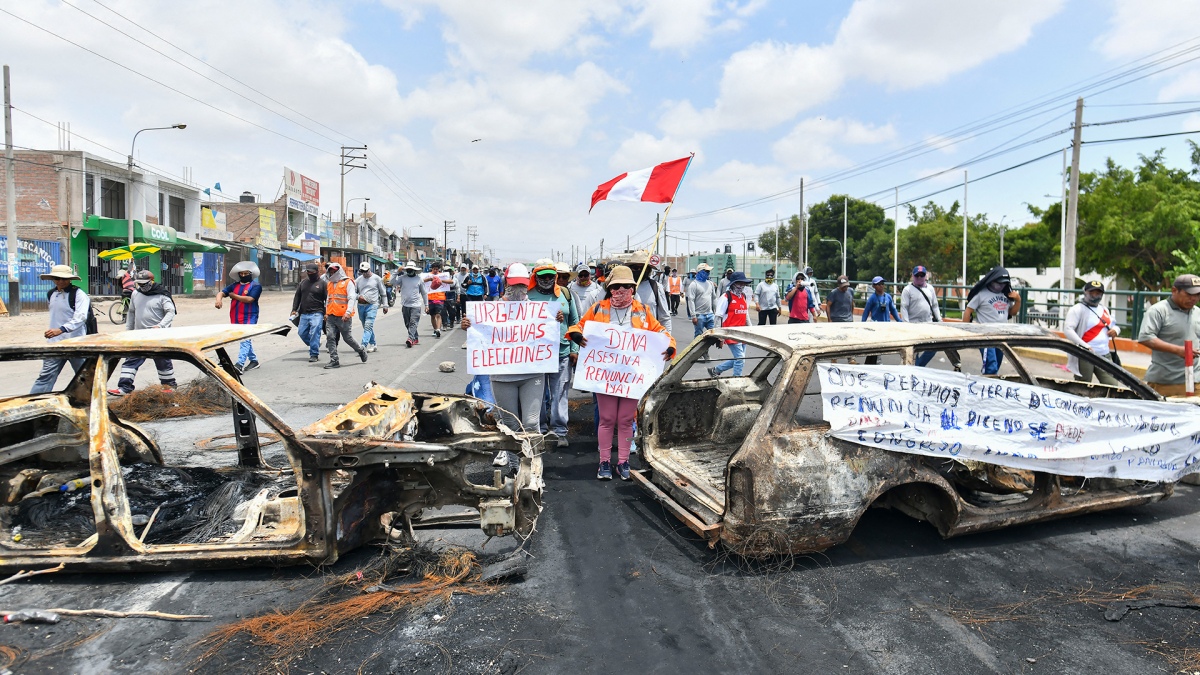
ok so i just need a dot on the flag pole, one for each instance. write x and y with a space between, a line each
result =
663 223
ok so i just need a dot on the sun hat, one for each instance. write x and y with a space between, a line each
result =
562 268
60 272
244 266
517 272
739 278
620 275
410 265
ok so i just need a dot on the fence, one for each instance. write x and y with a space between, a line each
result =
1045 307
34 258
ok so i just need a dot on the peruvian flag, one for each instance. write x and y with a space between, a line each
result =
656 184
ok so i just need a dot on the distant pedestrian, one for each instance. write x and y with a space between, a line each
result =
69 309
411 289
340 301
585 291
839 304
1089 325
701 300
723 285
766 299
475 285
435 293
371 295
150 307
243 296
733 311
308 310
649 292
810 284
450 307
992 300
493 284
918 304
799 301
675 291
616 414
460 279
1166 327
880 305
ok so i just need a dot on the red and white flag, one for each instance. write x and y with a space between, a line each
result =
656 184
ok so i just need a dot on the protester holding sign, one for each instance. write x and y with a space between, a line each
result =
620 309
517 371
546 288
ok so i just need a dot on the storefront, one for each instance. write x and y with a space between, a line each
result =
173 265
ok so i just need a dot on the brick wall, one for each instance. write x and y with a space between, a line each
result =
37 184
241 220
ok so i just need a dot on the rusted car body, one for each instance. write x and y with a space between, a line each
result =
746 461
358 475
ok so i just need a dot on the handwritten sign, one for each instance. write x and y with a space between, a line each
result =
957 416
443 280
508 338
619 361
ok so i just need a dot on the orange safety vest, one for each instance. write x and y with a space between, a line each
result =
639 318
337 298
674 285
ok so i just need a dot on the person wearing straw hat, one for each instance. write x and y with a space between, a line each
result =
69 309
616 413
243 308
411 289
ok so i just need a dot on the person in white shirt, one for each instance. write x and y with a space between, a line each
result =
766 298
1089 325
918 304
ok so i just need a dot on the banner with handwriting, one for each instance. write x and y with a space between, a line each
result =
958 416
510 338
619 361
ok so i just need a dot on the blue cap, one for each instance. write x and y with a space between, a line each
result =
878 280
920 269
738 277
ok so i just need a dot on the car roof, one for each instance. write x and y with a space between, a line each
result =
873 334
186 338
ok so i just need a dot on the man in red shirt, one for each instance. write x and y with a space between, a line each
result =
733 310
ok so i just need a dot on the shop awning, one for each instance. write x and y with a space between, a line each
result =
382 261
299 257
117 229
196 246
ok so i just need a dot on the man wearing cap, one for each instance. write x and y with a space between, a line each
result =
839 304
1165 328
150 307
546 289
243 294
766 298
371 293
1089 325
341 298
918 304
69 307
701 300
880 306
411 289
675 291
585 291
733 310
308 310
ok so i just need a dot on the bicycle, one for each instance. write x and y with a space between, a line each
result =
118 310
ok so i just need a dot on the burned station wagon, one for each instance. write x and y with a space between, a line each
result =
86 486
747 461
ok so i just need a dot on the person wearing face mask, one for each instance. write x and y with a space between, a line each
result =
341 298
243 294
701 299
553 422
585 291
918 304
616 413
494 283
732 311
308 310
800 301
766 298
992 300
371 295
1089 325
411 289
519 396
150 307
475 286
675 291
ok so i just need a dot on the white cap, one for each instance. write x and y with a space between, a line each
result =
364 266
519 272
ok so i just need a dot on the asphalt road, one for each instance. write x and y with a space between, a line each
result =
616 585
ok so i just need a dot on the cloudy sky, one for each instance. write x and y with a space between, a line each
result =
506 116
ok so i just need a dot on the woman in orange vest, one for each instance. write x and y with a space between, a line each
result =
675 290
616 413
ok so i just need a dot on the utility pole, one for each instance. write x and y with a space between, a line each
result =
601 252
895 238
800 232
10 201
448 226
964 271
845 228
346 165
1068 252
1062 237
626 243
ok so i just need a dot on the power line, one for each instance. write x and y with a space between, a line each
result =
1139 138
1143 117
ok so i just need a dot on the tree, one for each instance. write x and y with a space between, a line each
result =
868 231
1141 224
935 241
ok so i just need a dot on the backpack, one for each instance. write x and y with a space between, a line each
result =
90 325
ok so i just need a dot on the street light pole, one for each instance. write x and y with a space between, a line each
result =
842 250
129 188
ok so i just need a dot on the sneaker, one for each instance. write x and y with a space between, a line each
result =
363 355
408 343
550 437
562 442
371 349
623 470
250 366
437 333
332 364
117 392
240 367
605 472
416 342
712 372
167 388
313 358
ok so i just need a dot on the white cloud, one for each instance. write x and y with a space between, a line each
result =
1139 28
810 144
642 150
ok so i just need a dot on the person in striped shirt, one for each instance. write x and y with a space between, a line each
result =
243 294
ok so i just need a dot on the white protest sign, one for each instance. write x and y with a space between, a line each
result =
619 361
443 282
508 338
957 416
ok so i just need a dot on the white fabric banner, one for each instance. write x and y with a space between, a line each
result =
619 361
957 416
510 338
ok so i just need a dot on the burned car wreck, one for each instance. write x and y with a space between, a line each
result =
88 488
748 461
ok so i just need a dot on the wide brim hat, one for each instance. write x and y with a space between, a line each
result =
739 278
60 272
620 275
244 266
410 265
